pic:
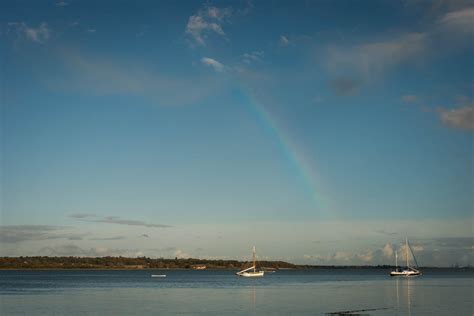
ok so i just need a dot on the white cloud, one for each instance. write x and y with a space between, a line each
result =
95 75
283 41
219 14
459 118
366 257
39 34
180 254
460 21
375 256
256 56
213 63
372 59
417 248
342 258
207 21
388 251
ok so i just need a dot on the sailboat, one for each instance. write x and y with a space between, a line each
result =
251 272
408 271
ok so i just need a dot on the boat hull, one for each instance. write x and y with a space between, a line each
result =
256 274
405 273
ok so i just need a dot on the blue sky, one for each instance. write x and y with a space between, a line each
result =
202 128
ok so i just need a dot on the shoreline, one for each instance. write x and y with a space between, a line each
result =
231 269
144 263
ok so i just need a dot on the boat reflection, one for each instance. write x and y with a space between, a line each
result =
404 294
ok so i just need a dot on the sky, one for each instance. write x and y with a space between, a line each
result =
322 132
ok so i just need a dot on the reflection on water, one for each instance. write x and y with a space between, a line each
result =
408 296
404 285
254 298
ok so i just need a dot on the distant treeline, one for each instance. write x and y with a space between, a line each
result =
128 263
44 262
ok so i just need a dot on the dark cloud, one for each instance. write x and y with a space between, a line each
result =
451 242
384 232
129 222
145 235
114 220
74 238
73 250
19 233
345 86
81 215
109 238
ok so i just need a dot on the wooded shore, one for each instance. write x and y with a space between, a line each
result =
140 263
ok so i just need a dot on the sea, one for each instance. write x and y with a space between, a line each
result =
221 292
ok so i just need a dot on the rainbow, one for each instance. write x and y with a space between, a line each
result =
304 168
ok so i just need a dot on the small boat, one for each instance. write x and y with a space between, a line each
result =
158 275
251 272
408 270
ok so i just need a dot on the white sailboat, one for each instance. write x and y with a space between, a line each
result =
408 271
251 272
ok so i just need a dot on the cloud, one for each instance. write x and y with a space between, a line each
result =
371 59
117 220
76 251
452 242
206 21
388 251
145 235
345 86
108 238
384 232
39 34
377 256
213 63
74 238
342 258
459 21
283 41
251 57
97 75
459 118
409 98
219 14
180 254
19 233
81 215
62 3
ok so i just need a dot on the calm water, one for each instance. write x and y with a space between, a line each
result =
286 292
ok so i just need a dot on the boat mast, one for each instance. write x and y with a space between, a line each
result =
406 246
253 258
396 259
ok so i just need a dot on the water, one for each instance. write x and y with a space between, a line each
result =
188 292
